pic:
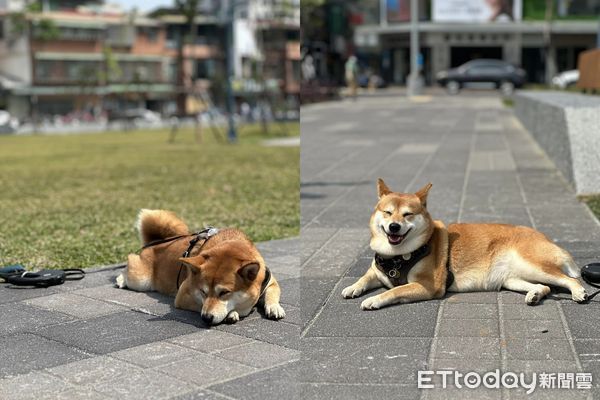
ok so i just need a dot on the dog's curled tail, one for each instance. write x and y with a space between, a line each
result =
159 224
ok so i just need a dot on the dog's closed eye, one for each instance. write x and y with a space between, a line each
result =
408 214
224 293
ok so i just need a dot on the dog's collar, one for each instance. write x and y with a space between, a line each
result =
396 269
203 235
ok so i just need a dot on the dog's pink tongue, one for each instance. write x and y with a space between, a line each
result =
395 238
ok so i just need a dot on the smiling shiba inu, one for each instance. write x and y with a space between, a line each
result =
222 276
418 258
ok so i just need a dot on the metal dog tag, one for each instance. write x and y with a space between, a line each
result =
393 273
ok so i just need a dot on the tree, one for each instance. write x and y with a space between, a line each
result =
44 29
189 10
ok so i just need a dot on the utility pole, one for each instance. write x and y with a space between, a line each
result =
414 82
231 133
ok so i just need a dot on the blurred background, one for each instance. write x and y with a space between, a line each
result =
543 37
74 64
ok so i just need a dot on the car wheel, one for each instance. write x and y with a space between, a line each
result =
507 88
453 87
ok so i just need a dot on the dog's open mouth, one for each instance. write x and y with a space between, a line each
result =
395 239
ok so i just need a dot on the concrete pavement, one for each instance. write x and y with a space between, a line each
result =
87 339
484 167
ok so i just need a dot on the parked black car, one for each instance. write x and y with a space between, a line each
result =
503 75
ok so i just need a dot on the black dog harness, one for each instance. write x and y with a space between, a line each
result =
397 268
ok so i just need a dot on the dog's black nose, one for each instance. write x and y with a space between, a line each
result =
207 318
394 227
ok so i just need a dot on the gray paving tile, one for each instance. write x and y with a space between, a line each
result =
209 340
537 329
142 384
546 310
259 355
22 353
314 293
154 354
469 328
123 297
13 294
473 297
457 310
539 349
76 306
204 369
463 393
471 348
403 320
116 331
363 360
276 383
276 332
92 370
337 391
201 394
18 317
33 386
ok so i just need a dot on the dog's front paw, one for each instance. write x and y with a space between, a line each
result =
352 291
372 303
579 295
120 282
274 311
232 317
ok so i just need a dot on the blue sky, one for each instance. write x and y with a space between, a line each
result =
143 5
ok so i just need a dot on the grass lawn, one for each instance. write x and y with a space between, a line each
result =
71 201
594 203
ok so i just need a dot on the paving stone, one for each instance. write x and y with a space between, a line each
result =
539 349
13 294
473 348
363 360
276 383
209 340
153 354
549 394
18 317
276 332
473 297
77 306
22 353
91 370
202 394
469 327
546 310
116 331
455 310
463 393
540 329
259 355
204 369
314 293
33 386
143 384
336 391
403 320
124 297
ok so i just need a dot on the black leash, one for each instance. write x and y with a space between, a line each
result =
590 273
44 278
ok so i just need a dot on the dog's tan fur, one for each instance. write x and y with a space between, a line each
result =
221 279
481 256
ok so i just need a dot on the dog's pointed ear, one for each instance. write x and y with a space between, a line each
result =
193 263
382 188
249 271
422 194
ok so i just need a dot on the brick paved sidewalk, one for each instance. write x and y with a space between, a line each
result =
484 167
89 340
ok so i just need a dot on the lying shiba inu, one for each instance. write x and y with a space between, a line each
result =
221 274
418 258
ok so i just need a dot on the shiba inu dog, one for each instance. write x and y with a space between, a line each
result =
418 258
221 273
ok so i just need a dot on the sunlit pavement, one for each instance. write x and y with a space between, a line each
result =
484 167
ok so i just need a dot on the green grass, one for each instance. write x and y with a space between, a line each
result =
594 203
71 201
